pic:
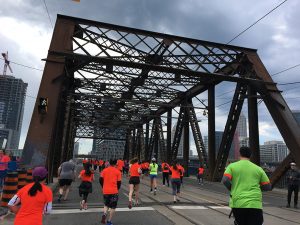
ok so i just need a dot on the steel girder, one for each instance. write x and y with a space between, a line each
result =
120 77
230 127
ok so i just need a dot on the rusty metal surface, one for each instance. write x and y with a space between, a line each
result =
279 110
117 77
41 131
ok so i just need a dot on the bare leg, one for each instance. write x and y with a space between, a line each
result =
112 212
137 187
67 190
130 192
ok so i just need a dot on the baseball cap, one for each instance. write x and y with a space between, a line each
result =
153 159
293 164
40 171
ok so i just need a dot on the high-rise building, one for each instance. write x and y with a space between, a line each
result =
219 135
180 147
76 149
273 151
12 99
112 147
241 127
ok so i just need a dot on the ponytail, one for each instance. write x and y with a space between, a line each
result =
87 169
35 187
174 164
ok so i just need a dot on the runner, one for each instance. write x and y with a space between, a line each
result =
182 173
126 167
200 175
101 165
134 181
120 165
85 187
175 180
153 175
246 181
33 200
66 175
165 167
110 181
4 160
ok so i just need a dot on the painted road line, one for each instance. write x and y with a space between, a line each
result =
187 207
99 210
219 207
197 207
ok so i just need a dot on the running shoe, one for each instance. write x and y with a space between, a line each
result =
103 218
81 205
109 223
130 205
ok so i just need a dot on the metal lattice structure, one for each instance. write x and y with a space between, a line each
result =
101 76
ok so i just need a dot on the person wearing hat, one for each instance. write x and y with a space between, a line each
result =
33 200
293 177
153 167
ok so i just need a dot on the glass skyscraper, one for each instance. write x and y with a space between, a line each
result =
12 99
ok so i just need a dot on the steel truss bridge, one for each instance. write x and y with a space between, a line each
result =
100 77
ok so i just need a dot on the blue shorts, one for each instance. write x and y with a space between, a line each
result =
152 176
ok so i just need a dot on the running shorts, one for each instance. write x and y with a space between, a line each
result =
134 180
152 176
111 201
63 182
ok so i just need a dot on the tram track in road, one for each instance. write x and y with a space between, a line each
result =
194 195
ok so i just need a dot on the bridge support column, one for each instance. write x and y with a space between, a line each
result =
186 141
211 131
253 125
169 135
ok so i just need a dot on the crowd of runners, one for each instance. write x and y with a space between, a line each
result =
243 179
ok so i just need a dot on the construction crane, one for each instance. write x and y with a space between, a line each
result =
6 63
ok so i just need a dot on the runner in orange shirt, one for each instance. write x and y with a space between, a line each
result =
176 170
182 173
120 164
134 181
110 181
87 177
166 170
33 200
200 175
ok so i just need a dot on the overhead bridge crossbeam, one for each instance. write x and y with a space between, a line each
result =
102 78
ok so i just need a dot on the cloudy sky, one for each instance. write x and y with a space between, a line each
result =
26 31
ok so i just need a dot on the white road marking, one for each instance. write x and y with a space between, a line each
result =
219 207
99 210
197 207
187 207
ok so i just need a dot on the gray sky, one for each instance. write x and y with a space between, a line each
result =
26 33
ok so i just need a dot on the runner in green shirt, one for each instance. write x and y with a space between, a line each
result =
153 167
246 181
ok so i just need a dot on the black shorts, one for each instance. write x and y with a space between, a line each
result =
145 171
111 201
63 182
248 216
134 180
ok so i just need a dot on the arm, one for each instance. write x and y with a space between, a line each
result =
13 204
119 185
59 171
226 180
101 180
48 208
265 184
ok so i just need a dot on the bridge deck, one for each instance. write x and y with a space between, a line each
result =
207 204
